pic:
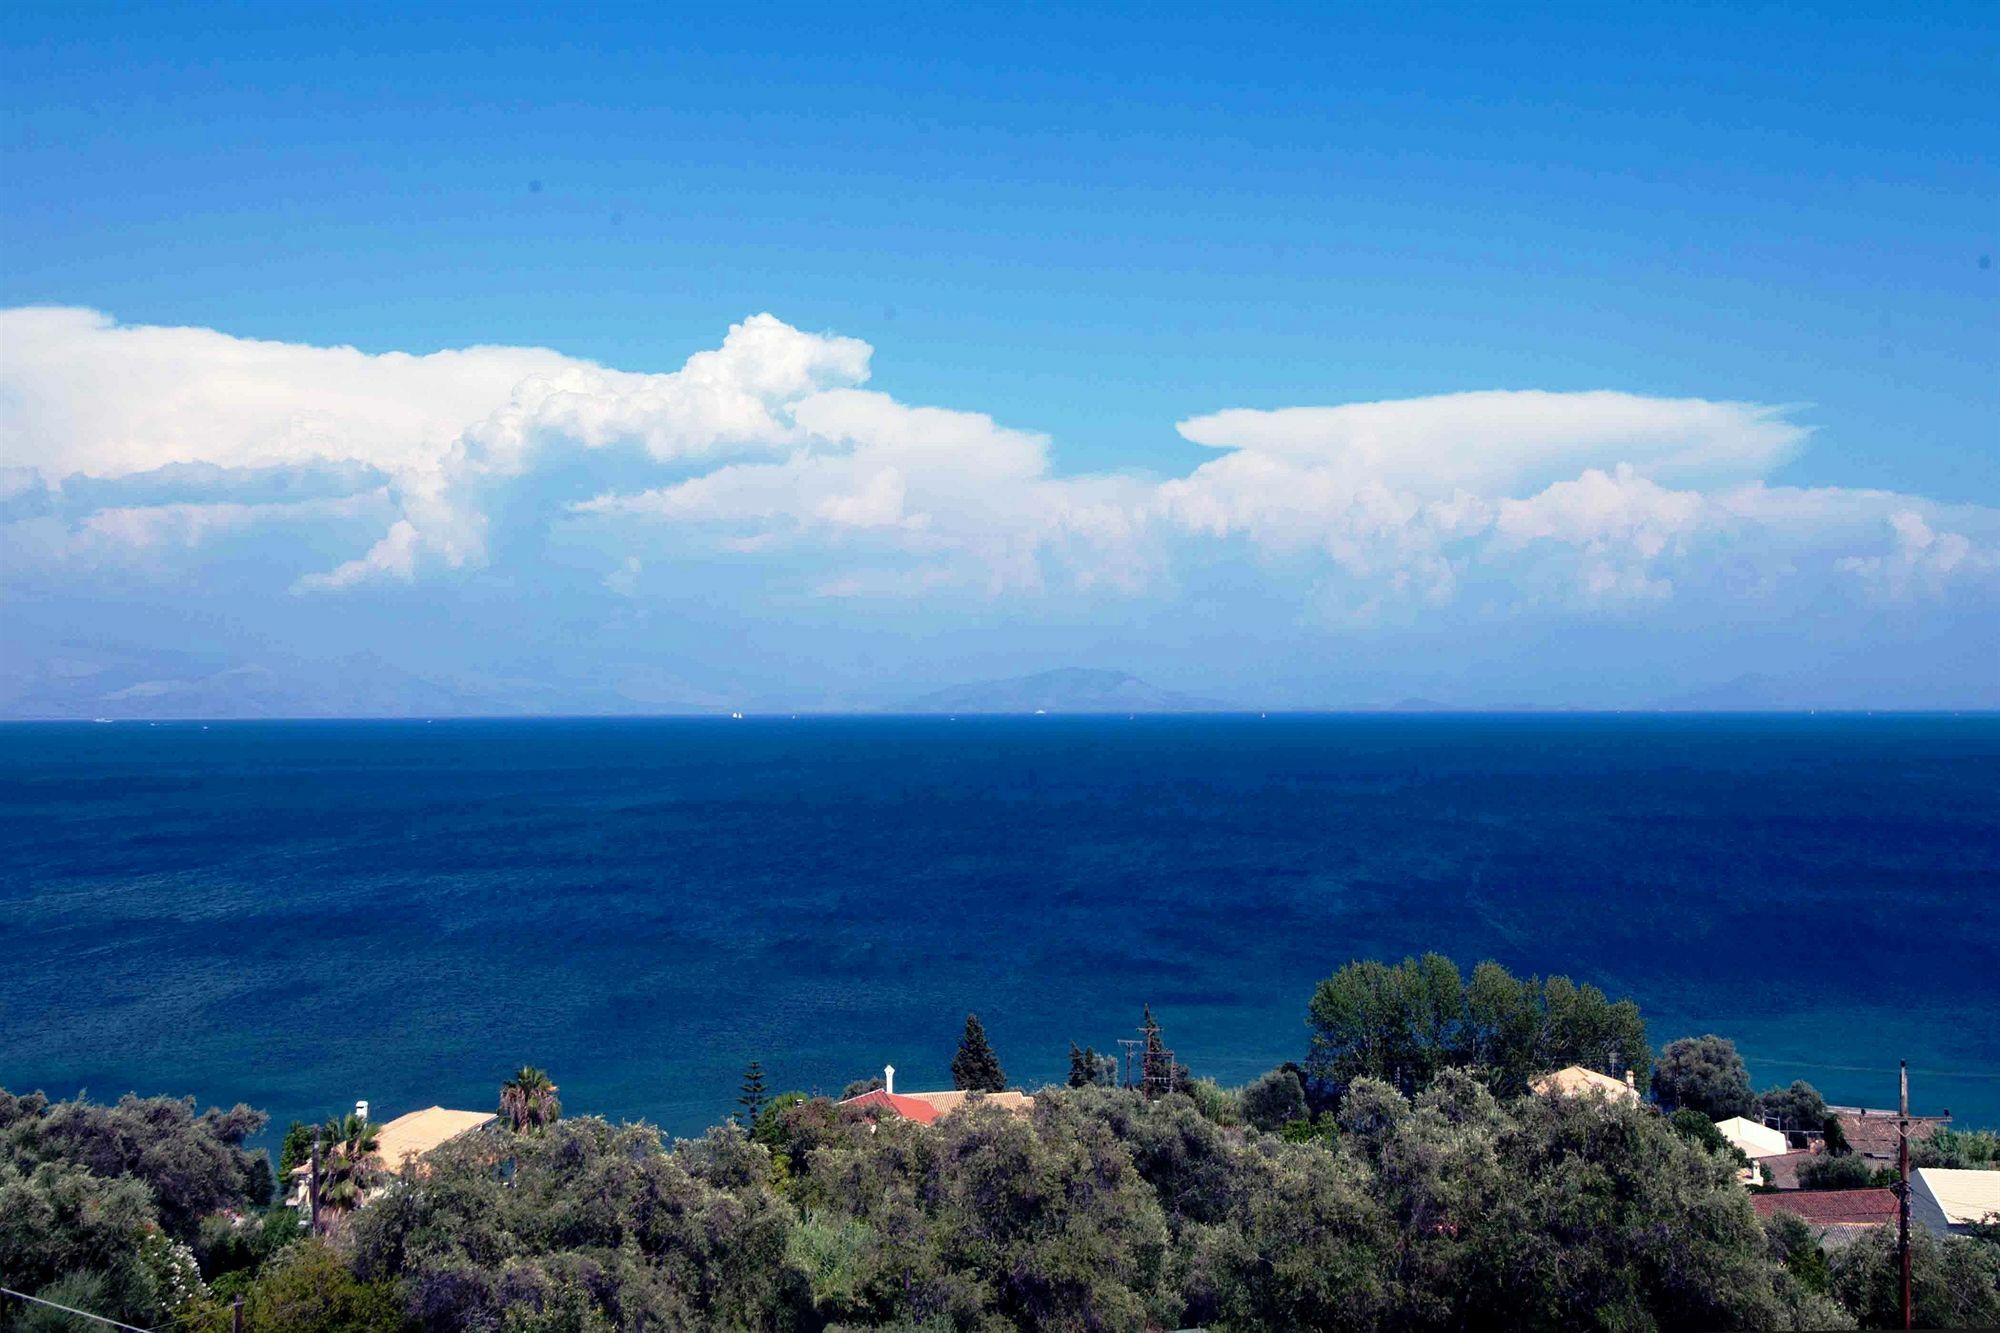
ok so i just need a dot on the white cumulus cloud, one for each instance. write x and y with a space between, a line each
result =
150 444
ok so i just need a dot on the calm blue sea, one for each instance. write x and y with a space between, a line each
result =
299 914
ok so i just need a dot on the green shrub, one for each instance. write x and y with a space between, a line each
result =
1216 1104
308 1289
1275 1100
1824 1172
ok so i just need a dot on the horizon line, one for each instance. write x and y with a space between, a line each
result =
798 714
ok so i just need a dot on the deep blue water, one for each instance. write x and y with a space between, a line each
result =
298 914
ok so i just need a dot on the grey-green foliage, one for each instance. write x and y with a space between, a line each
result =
1101 1209
831 1249
989 1219
1274 1100
1962 1149
767 1128
236 1243
192 1164
1403 1024
1449 1210
1795 1245
97 1200
62 1227
690 1237
1798 1107
79 1291
1827 1172
1805 1297
1214 1101
1954 1281
1703 1074
309 1288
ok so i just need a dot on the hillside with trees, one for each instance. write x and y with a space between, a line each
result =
1396 1178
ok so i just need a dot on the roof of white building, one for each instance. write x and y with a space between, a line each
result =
1962 1196
1576 1081
1754 1139
409 1137
413 1135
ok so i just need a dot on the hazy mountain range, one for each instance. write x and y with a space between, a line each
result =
85 682
1069 690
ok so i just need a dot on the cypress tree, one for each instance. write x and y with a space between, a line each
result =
975 1067
754 1096
1079 1072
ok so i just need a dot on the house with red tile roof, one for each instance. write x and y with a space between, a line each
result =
927 1108
1873 1134
1837 1216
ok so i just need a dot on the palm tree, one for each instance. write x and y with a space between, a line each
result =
350 1166
528 1100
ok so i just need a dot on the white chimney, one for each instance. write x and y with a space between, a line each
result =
889 1079
361 1110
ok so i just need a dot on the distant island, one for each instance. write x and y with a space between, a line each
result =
1068 690
89 682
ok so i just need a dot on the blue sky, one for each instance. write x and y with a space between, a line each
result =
1090 226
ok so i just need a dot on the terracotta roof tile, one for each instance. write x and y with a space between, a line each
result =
910 1108
926 1108
1854 1208
1873 1133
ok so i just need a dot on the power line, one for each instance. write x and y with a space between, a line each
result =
1873 1069
67 1309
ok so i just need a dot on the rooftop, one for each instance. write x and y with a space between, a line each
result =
1873 1133
1784 1167
409 1137
927 1108
1831 1208
1962 1196
413 1135
1576 1081
1753 1139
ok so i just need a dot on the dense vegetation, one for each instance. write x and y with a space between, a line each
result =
1395 1179
1404 1024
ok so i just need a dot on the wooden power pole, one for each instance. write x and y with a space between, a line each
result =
1129 1048
1903 1190
312 1188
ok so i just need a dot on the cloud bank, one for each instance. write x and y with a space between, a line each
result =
172 457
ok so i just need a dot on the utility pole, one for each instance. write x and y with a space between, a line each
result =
1903 1191
236 1315
312 1188
1130 1047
